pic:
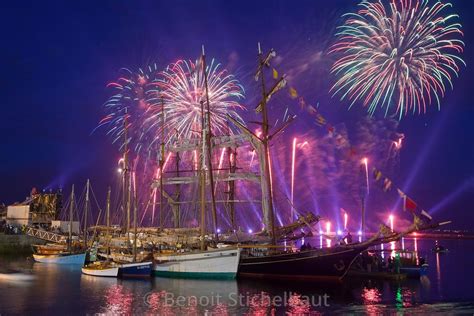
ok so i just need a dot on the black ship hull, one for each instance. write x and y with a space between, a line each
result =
316 264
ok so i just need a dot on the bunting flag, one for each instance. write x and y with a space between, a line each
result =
275 74
280 84
387 184
330 129
400 192
293 93
320 120
377 174
302 103
425 214
409 204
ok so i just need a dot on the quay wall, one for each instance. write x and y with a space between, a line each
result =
17 244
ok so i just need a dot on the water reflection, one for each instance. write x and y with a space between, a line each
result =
63 289
438 272
118 300
259 304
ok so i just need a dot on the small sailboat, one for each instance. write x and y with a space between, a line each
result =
137 268
103 268
123 264
73 253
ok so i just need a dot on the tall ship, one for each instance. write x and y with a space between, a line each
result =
215 254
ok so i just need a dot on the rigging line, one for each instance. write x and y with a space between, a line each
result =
97 204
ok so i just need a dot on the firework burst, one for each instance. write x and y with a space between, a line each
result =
129 106
181 90
398 56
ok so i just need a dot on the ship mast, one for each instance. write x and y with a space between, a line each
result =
162 160
126 186
232 161
71 210
135 209
86 208
202 180
176 209
266 184
107 221
209 149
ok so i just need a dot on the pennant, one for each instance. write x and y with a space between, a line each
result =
410 204
293 93
275 74
387 184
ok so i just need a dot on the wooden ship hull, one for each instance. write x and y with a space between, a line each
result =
316 264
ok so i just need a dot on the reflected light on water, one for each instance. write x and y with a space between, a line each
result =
370 298
298 305
156 301
260 305
119 300
438 272
219 309
404 298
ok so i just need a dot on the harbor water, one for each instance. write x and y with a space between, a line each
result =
448 288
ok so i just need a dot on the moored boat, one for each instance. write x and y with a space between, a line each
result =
135 270
101 269
71 253
313 264
215 264
61 258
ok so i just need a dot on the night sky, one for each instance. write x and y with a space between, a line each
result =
57 57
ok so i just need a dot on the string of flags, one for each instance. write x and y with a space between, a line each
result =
320 120
408 203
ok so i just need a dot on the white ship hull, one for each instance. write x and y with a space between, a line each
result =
78 258
101 270
221 263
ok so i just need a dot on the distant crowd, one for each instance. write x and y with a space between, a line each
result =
8 229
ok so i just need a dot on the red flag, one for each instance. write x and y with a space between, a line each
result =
410 204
